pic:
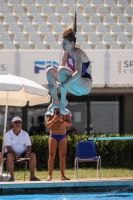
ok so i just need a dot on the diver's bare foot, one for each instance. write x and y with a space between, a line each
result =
53 105
63 106
49 178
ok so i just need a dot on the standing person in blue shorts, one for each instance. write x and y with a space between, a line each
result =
57 124
75 77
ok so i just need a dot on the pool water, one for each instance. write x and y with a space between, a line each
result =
80 196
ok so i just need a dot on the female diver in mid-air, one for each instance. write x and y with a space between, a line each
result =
75 77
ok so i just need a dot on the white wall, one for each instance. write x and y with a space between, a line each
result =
105 117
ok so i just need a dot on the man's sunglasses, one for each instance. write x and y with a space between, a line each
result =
17 122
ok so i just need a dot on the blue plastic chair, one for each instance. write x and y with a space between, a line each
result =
86 152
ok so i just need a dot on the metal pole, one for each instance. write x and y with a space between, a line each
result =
5 123
24 118
88 115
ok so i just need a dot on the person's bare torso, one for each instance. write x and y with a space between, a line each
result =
58 128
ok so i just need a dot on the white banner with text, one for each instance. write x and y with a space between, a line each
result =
8 62
109 67
120 65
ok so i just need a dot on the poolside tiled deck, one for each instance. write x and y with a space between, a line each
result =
57 186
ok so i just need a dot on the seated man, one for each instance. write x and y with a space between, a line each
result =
18 145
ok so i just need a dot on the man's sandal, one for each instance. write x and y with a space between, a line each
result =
11 179
64 178
35 179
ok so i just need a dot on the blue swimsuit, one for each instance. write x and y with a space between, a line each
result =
57 137
71 65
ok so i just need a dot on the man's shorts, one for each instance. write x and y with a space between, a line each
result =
21 155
